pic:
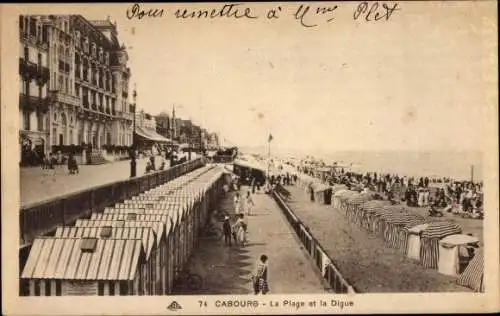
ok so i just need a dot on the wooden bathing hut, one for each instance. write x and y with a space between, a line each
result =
85 266
164 245
146 234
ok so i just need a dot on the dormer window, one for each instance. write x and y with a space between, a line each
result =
106 232
88 244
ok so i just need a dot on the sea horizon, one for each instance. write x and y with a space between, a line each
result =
455 164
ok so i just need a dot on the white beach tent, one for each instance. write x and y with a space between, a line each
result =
449 250
413 243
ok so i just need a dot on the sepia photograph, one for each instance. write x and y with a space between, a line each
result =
250 158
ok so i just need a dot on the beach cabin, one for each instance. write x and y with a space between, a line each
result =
412 249
367 211
429 241
322 193
152 282
455 252
248 169
85 266
161 231
163 226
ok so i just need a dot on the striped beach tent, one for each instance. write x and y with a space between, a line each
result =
392 213
429 249
359 213
368 209
344 198
395 228
473 276
411 220
354 202
337 197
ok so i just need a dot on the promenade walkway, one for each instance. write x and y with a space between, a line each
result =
364 259
35 186
227 270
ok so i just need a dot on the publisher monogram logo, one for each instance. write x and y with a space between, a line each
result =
174 306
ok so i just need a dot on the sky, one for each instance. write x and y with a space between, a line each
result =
420 81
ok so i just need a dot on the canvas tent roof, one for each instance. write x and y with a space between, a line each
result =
150 134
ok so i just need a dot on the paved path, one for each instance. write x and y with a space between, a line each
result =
36 187
227 270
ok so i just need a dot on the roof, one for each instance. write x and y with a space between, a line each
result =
64 259
146 234
150 134
139 217
440 229
459 239
157 226
251 164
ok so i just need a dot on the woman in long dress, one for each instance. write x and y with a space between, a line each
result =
260 284
237 203
240 228
248 203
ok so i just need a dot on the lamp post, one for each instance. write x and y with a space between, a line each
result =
133 163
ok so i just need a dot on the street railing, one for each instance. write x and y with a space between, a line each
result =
323 261
43 217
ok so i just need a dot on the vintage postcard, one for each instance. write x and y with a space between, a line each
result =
249 158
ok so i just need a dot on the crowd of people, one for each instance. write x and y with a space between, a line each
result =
439 194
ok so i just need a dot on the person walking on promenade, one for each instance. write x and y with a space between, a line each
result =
226 228
240 230
259 279
237 203
253 184
249 203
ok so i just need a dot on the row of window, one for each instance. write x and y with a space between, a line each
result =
26 116
26 56
32 26
92 49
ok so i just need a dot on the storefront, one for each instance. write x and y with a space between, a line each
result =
148 141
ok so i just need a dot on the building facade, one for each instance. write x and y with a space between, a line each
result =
163 125
145 120
102 84
74 84
34 101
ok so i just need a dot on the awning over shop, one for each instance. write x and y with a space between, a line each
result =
150 134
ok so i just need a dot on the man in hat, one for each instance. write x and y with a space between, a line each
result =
226 227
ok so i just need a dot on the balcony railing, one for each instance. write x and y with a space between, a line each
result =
86 102
32 71
66 98
94 106
31 103
101 108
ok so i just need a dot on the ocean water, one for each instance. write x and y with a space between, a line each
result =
456 165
